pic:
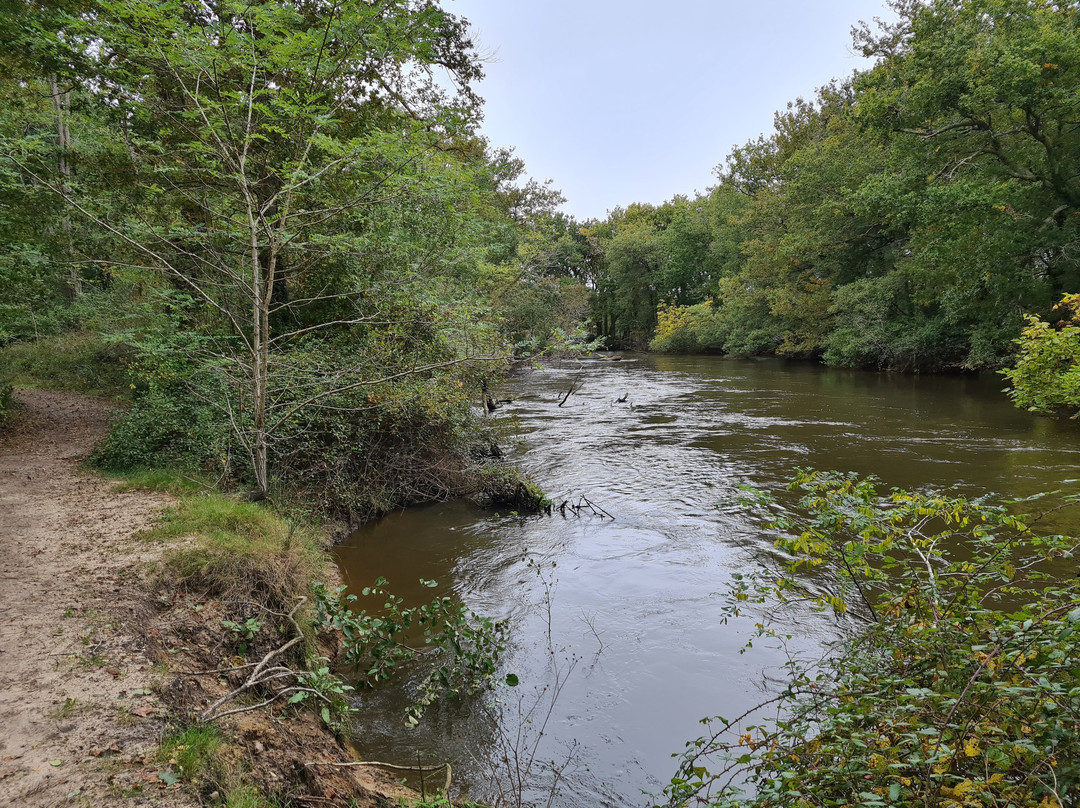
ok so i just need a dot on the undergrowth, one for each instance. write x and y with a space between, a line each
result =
194 756
76 361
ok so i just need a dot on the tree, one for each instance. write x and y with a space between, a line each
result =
284 161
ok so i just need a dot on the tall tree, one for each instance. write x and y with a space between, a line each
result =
268 142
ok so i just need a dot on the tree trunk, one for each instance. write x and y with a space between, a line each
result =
62 110
260 355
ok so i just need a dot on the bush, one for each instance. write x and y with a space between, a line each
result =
162 429
961 689
687 329
1046 376
380 446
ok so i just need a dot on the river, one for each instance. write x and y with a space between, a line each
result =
624 613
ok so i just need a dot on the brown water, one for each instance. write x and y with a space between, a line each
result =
635 600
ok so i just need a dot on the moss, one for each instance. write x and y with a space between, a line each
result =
507 487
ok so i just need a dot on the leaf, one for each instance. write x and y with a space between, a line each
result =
512 679
168 778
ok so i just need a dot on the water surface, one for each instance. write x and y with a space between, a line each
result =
634 603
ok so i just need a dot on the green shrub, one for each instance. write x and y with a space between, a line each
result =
1046 375
162 429
961 688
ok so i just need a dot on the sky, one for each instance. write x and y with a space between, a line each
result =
622 101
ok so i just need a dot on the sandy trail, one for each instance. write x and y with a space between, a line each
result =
78 721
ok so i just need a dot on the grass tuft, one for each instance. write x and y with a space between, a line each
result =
170 481
191 751
239 551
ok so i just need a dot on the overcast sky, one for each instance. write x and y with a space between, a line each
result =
622 101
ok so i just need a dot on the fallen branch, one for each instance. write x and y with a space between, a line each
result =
379 765
575 387
584 504
262 675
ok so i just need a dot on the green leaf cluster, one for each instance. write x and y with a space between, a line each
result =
462 648
1046 376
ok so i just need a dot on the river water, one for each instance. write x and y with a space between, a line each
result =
622 616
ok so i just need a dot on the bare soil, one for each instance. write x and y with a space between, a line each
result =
80 721
96 665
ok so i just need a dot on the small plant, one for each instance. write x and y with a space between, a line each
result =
190 751
318 681
65 710
245 632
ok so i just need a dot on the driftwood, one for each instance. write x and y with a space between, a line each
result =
492 404
393 766
575 387
583 505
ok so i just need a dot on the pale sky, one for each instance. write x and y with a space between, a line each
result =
622 101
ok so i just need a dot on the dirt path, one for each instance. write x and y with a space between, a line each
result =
78 720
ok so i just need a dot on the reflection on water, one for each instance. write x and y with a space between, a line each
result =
635 607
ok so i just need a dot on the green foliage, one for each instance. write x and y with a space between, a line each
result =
540 314
687 329
1046 375
900 219
506 486
244 632
190 751
961 688
464 648
408 439
160 430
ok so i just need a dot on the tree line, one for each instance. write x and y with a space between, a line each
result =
281 219
903 218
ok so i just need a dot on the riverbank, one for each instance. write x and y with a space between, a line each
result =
110 656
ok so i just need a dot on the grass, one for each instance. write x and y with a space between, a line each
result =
76 361
66 710
238 550
190 751
195 754
170 481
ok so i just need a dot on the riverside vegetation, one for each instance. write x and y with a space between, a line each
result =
273 232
